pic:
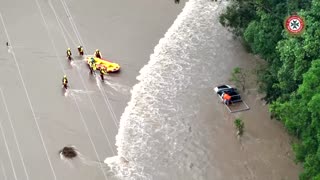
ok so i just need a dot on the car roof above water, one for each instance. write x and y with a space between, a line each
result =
224 87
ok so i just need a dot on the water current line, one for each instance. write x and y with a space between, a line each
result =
55 14
86 89
82 118
61 25
70 17
67 32
4 172
29 101
14 133
8 151
106 99
81 42
75 29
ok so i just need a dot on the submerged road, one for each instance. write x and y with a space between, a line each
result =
36 118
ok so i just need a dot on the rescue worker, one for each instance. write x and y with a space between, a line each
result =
65 81
91 64
90 68
80 50
69 54
102 72
226 98
92 61
97 54
94 66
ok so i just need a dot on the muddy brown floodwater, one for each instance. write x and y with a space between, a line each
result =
38 120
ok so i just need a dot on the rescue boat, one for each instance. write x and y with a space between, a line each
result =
108 65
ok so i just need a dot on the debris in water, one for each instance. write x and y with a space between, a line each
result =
68 152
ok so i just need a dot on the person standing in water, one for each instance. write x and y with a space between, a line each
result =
65 81
92 65
69 54
102 72
80 50
97 54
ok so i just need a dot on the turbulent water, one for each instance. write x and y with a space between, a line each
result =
155 139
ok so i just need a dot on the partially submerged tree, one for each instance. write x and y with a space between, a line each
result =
238 77
68 152
239 126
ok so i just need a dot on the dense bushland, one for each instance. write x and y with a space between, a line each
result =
291 80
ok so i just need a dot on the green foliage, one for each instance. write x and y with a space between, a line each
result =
238 76
301 115
266 81
239 126
291 79
263 35
237 16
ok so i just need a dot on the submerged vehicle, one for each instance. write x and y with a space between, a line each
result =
235 98
233 92
99 63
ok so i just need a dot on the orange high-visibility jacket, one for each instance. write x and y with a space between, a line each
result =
226 97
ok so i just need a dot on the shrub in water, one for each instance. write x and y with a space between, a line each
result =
239 126
68 152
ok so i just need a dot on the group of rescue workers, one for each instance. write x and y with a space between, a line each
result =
92 65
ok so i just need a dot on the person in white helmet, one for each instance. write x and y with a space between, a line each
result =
97 54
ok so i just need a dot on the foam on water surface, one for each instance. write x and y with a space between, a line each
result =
155 139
